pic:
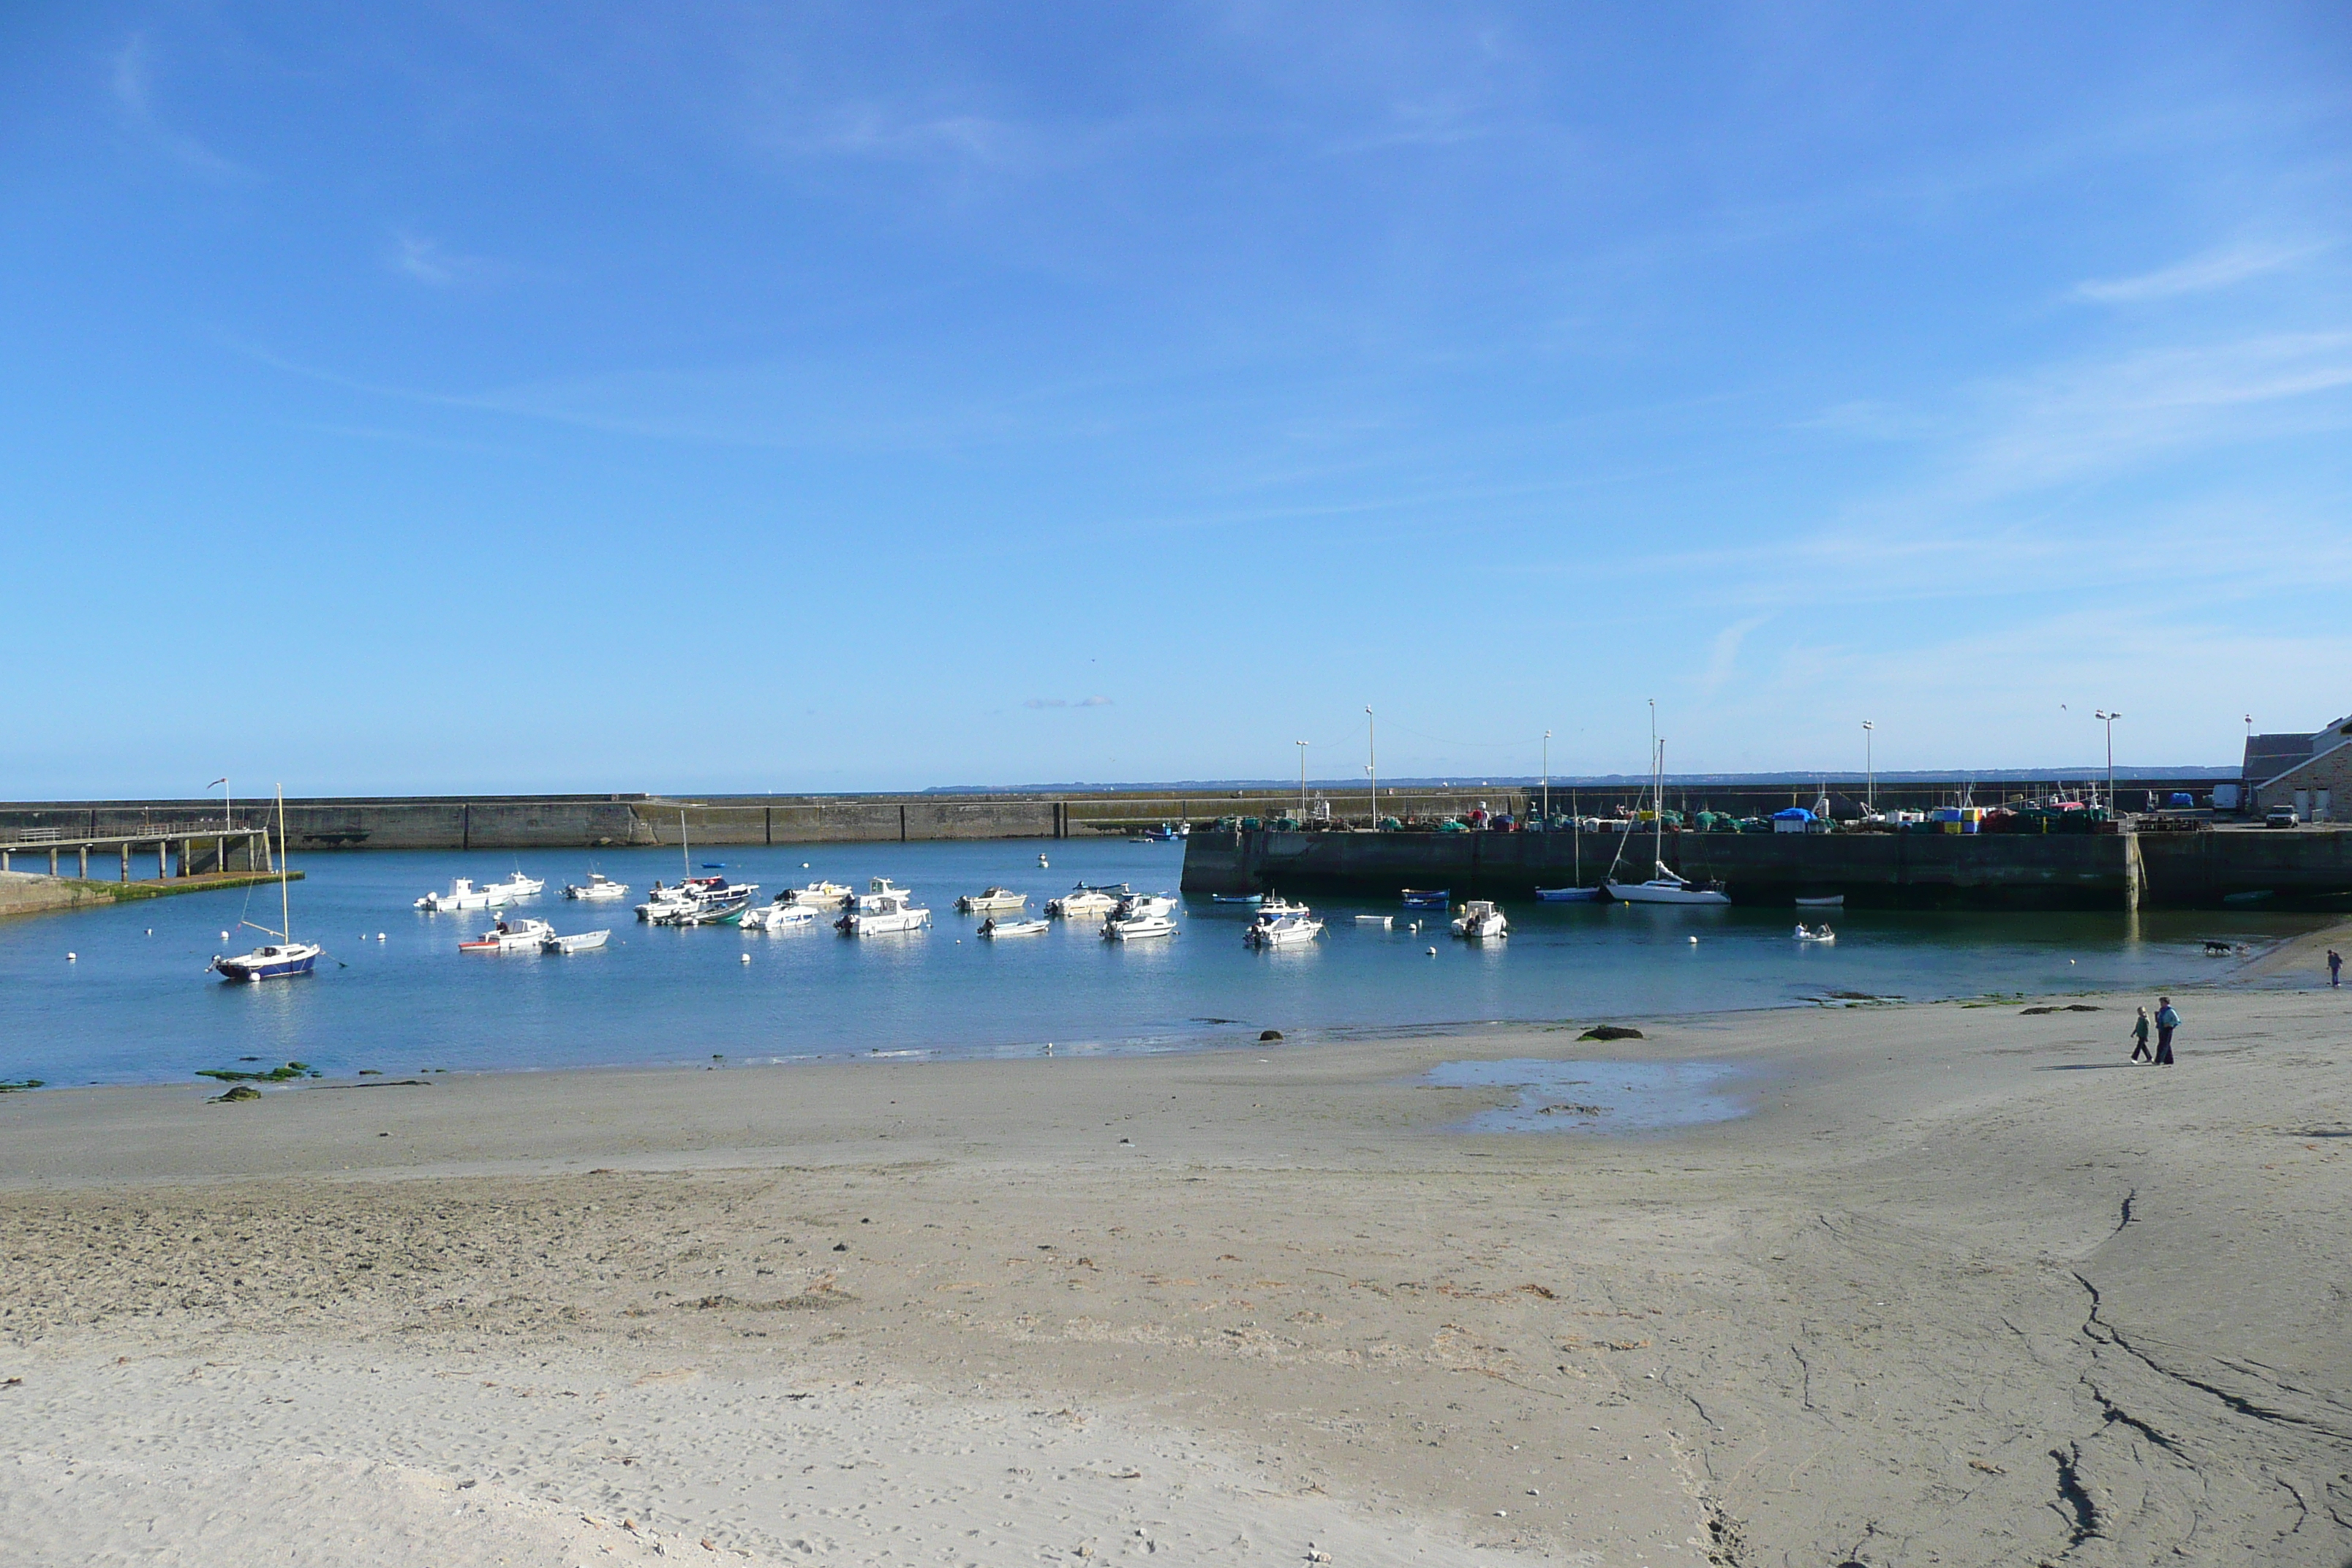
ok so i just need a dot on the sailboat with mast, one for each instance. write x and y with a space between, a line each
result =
1666 886
285 958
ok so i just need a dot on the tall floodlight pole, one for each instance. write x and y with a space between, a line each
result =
1302 780
1869 771
1372 764
2109 720
1547 778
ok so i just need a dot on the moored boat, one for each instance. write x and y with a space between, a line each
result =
1480 920
1824 934
1137 905
1085 900
597 889
1427 898
1825 901
991 901
780 916
285 958
463 895
518 886
1293 926
510 936
886 910
1667 888
993 928
1136 928
584 941
816 896
1567 895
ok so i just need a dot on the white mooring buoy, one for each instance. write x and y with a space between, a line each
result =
744 957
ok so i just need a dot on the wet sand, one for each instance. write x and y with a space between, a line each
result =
1962 1287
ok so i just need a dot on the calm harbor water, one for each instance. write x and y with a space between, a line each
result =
140 1007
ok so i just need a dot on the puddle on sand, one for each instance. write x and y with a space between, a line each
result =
1597 1095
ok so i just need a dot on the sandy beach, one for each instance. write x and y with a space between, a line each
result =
1961 1287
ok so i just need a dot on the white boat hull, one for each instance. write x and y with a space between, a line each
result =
1139 929
1664 893
993 929
885 922
585 942
1283 933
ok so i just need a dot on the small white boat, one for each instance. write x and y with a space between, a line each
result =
1480 920
1384 923
883 913
585 942
1828 902
993 928
1824 934
1136 928
1292 928
510 936
597 889
780 916
1135 906
1567 895
1082 900
518 886
463 895
816 896
991 901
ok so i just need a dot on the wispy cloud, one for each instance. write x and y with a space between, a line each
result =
2214 269
1068 702
132 85
2088 420
1724 655
428 261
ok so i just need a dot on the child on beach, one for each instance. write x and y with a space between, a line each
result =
2140 1038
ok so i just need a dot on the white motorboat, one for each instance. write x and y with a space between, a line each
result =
992 927
1293 927
1384 923
510 936
280 960
697 901
882 912
816 896
1824 934
518 886
1480 920
1082 900
597 889
1137 905
1136 928
992 900
1666 887
585 942
780 916
463 895
1826 901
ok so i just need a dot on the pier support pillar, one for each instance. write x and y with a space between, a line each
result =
53 862
163 859
4 859
84 872
126 862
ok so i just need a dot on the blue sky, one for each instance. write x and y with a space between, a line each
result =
697 397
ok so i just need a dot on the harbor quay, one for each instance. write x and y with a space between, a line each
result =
2299 867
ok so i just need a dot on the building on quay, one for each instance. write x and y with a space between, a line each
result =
2311 773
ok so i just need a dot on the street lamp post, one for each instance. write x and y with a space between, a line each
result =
1302 780
1547 778
2109 720
1869 771
1372 764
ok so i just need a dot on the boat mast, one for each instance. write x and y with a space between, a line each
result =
1658 805
285 905
685 856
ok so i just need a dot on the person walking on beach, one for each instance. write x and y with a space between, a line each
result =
2140 1038
2166 1020
2335 967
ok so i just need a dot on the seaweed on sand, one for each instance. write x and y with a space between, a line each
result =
275 1075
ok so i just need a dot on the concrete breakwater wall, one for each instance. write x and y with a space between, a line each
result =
1992 871
565 822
